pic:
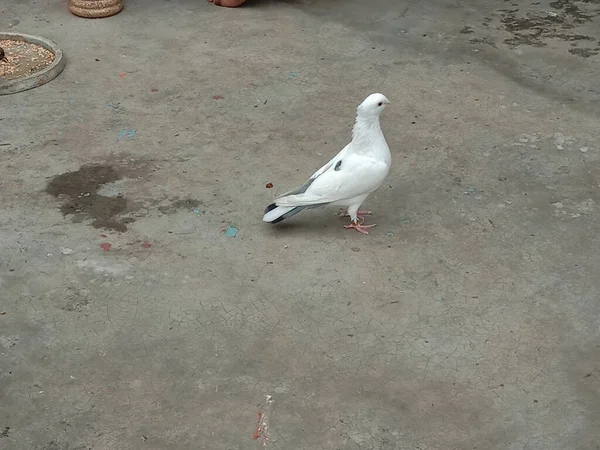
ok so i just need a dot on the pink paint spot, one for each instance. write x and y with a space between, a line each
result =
103 235
106 246
146 244
218 97
154 90
122 74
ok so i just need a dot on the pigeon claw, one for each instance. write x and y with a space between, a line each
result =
358 226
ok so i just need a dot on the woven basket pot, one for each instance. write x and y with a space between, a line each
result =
94 9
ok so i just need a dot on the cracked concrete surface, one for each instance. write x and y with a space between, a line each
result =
468 319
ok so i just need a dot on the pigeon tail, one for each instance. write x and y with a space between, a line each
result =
275 214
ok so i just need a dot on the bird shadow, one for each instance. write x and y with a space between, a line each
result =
320 226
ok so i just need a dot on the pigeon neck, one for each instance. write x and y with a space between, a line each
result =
365 128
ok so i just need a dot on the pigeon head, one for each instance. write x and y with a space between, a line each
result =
373 105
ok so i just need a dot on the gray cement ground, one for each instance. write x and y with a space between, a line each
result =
468 319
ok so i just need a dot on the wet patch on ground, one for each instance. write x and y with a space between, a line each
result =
539 27
82 201
81 190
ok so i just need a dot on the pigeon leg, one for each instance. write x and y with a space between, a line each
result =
358 226
360 213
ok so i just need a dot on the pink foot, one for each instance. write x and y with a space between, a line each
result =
228 3
360 227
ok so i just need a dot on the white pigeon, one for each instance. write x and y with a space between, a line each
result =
349 178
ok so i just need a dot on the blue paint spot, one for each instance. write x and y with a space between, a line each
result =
231 231
127 133
389 233
196 211
405 221
293 75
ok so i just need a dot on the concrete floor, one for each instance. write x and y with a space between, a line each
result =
468 319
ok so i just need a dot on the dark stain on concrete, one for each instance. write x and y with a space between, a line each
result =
573 37
570 9
536 28
81 200
584 52
87 179
533 21
79 189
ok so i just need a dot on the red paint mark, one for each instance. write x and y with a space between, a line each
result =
413 164
105 246
146 244
103 235
122 74
257 433
218 97
269 185
154 90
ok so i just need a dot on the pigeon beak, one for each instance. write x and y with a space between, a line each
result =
387 102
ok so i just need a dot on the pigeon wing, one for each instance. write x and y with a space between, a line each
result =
302 189
349 177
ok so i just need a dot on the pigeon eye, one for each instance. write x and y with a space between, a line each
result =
380 103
